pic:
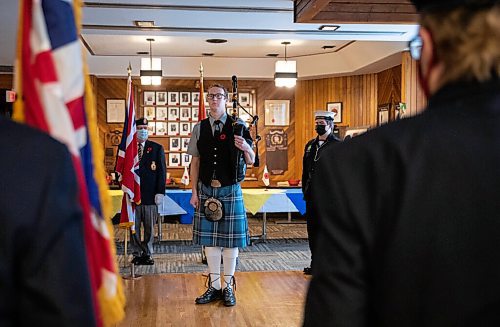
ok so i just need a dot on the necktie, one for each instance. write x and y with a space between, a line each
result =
139 151
217 129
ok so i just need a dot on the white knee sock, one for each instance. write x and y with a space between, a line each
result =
229 255
213 255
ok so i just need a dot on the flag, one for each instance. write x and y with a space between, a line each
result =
265 176
55 96
185 177
202 113
127 163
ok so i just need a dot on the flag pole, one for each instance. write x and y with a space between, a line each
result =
129 72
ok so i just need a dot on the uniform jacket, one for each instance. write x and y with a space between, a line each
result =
308 160
43 268
410 219
152 171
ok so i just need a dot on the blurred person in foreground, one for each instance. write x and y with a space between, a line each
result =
410 212
44 278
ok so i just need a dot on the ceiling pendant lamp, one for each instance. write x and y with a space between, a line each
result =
151 72
285 71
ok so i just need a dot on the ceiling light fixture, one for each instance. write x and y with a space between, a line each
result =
144 23
285 71
328 27
151 68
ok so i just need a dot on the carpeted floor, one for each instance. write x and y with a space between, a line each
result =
286 248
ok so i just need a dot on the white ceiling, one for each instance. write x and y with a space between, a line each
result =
253 29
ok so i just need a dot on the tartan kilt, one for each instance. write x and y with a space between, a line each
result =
232 230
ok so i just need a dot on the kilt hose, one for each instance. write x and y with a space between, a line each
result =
229 232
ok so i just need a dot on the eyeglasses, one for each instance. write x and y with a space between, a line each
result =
217 96
415 46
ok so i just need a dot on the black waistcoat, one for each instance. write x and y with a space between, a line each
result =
219 156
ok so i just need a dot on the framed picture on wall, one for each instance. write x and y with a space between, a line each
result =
173 98
185 114
185 98
151 128
383 114
185 129
244 99
115 110
161 128
149 113
173 129
173 113
194 113
185 159
161 98
184 143
149 98
195 98
335 107
161 113
277 112
174 144
174 159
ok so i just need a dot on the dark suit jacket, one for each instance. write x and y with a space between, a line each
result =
43 268
410 219
152 171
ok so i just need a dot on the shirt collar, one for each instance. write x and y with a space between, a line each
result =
223 119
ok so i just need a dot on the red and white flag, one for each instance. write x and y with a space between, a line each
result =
127 163
55 96
265 176
185 177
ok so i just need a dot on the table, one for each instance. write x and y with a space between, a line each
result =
257 200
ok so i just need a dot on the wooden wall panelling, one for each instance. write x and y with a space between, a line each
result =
389 88
6 81
411 91
358 95
344 11
265 90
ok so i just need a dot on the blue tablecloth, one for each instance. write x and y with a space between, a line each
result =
295 195
182 197
274 204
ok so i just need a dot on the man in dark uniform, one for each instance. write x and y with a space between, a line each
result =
410 212
152 171
44 278
218 166
312 152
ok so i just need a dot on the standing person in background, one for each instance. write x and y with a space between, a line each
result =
153 172
410 211
217 168
44 279
312 152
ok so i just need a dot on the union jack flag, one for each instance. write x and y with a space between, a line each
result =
127 164
55 97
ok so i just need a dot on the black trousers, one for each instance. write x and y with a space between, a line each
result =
312 228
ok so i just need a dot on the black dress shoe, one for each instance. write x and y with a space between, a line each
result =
145 260
136 259
308 271
210 295
228 297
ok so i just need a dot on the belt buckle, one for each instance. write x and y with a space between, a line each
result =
215 183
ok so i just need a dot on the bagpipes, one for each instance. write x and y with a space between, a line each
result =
239 128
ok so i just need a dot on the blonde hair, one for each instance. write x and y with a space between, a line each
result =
467 42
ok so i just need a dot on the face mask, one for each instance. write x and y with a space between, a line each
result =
320 129
142 134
